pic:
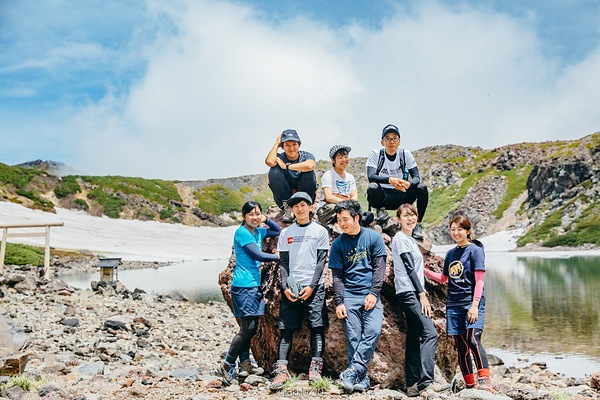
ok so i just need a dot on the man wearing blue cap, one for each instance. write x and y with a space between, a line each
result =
291 171
303 248
394 179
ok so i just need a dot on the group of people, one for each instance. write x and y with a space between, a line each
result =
392 172
357 260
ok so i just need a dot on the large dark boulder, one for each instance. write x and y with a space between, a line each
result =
387 366
556 178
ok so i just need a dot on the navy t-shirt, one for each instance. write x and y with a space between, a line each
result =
354 254
460 265
302 156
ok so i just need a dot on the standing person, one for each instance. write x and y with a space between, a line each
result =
357 261
464 269
337 184
303 248
246 295
291 171
409 283
394 179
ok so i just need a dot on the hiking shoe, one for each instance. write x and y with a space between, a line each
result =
288 215
314 372
413 391
281 376
227 372
349 378
363 384
249 367
485 383
417 233
437 387
366 218
382 216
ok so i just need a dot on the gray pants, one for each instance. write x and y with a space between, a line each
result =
421 341
362 329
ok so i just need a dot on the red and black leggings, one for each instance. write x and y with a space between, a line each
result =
469 347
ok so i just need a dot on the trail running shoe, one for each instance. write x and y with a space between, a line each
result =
314 371
363 384
485 383
281 376
249 367
228 372
417 233
413 391
349 378
382 216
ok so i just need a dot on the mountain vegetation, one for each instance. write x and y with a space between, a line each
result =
550 191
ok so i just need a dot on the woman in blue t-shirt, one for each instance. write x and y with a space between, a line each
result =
464 269
246 295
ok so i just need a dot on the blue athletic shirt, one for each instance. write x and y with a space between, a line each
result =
353 254
247 271
460 265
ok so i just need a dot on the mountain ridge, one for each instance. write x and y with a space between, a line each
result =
550 190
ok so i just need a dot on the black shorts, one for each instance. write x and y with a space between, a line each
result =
292 313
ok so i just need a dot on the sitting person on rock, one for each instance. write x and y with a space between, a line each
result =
464 269
357 261
337 185
291 171
246 294
394 179
302 248
409 284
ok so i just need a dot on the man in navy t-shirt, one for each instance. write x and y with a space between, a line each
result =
357 260
290 171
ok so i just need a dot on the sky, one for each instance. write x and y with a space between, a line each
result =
200 89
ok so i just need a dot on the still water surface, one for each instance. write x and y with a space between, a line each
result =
548 308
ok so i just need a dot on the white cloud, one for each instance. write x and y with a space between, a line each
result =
225 82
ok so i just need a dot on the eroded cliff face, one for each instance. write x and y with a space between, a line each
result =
387 365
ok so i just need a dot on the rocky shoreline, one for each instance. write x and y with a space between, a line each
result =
83 264
120 344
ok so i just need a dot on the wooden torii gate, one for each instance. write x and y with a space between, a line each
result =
6 235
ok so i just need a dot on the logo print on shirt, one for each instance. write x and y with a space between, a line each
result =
343 187
456 269
290 240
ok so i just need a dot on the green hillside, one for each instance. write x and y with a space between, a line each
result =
549 190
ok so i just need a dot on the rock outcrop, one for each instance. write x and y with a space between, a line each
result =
387 366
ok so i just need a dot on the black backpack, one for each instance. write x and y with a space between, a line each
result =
382 160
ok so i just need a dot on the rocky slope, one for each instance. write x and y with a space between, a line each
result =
113 343
550 190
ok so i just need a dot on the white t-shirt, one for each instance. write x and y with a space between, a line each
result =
402 243
338 185
302 243
392 168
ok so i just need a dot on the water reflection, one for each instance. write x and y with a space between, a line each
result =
197 279
543 304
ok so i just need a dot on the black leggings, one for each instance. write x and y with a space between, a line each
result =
241 342
470 344
317 342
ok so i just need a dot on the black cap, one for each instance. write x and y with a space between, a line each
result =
390 128
289 135
298 197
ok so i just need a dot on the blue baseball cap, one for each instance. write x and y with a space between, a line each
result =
289 135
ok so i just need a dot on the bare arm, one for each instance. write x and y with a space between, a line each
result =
271 159
304 166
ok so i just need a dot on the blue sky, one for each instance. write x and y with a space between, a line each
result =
200 89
